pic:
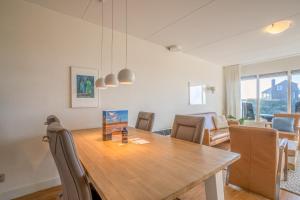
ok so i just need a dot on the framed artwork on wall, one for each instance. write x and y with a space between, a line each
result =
197 94
83 90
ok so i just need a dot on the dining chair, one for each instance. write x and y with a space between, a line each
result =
73 177
259 169
145 121
189 128
297 107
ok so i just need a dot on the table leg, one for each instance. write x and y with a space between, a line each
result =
214 187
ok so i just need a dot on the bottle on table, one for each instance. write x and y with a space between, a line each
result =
124 135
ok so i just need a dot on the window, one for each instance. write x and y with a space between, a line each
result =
279 87
197 94
295 93
273 94
249 97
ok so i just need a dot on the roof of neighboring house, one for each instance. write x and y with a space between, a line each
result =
281 83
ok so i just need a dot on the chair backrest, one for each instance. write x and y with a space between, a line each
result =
257 168
247 111
297 107
296 117
189 128
73 177
145 121
209 124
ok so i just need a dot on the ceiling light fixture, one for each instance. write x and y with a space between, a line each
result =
100 83
126 76
278 27
111 80
174 48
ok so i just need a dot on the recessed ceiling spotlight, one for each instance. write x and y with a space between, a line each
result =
278 27
174 48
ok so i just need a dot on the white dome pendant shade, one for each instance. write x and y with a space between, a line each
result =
126 76
100 83
111 80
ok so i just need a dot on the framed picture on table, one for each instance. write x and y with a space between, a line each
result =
83 90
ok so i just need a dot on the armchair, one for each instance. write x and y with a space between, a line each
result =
263 159
213 134
293 137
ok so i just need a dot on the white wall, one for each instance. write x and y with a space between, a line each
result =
283 64
37 46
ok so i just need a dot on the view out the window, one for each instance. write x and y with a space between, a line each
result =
248 95
273 94
295 93
278 92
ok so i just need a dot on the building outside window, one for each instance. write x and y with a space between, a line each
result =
264 95
295 93
273 94
249 97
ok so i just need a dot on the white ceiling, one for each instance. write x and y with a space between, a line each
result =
219 31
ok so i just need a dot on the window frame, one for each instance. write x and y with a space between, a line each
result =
268 75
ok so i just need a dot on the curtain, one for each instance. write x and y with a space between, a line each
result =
232 90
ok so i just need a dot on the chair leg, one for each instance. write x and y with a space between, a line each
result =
227 175
60 196
285 169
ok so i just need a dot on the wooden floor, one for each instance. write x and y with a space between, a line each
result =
197 193
231 193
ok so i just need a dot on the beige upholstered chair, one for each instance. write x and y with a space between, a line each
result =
291 135
189 128
262 156
145 121
73 177
212 134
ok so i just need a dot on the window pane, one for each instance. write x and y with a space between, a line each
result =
248 95
295 93
197 95
273 96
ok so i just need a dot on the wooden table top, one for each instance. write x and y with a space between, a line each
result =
162 169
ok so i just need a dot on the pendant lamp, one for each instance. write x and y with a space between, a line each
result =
100 81
111 80
126 76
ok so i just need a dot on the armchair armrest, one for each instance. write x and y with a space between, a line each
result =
268 124
233 122
283 143
206 137
283 149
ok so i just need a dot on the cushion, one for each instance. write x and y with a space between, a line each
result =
283 124
220 122
209 124
218 134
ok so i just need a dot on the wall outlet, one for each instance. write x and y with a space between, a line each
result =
2 177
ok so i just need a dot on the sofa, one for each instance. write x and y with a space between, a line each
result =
213 135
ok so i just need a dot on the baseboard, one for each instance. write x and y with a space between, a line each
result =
27 189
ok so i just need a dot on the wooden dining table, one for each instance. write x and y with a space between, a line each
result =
162 168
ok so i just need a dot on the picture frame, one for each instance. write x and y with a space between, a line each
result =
83 90
197 93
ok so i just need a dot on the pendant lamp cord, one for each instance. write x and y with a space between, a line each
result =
126 8
112 35
101 37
